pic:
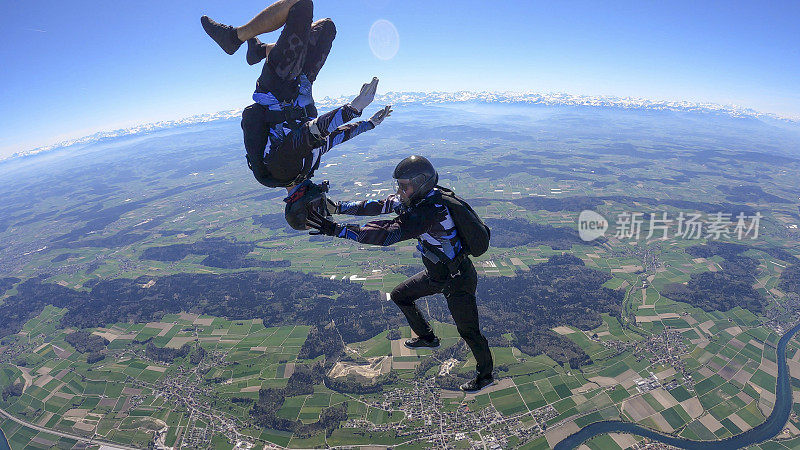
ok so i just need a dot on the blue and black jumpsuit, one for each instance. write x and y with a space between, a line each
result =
430 223
285 152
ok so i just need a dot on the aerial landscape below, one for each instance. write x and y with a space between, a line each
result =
380 225
153 296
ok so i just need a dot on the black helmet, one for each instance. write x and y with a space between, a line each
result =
420 172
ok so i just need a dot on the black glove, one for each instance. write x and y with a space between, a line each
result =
320 224
332 206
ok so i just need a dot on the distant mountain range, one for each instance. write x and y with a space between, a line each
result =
428 98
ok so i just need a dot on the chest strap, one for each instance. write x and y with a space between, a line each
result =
291 114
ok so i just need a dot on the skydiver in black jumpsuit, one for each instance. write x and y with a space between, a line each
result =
448 269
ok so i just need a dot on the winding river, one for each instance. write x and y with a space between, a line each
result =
767 430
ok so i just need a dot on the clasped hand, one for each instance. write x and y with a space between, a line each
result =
320 224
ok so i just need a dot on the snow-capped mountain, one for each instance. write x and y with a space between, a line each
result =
130 131
430 98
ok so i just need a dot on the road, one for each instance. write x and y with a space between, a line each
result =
65 435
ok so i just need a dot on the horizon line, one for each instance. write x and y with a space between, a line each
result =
463 96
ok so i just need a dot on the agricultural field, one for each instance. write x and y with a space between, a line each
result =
726 387
191 379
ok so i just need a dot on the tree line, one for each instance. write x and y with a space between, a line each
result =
722 290
221 253
302 381
85 342
561 291
790 279
520 232
168 355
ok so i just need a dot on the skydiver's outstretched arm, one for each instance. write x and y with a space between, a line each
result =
408 225
315 137
331 129
377 232
328 123
368 207
332 123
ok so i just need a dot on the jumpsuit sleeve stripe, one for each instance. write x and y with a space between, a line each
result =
345 133
330 121
369 207
386 232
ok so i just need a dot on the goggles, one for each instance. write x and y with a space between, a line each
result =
402 185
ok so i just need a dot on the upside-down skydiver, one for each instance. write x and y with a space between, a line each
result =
283 136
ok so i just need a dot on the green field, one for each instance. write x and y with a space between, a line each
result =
697 373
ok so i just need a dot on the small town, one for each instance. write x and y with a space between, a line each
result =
440 428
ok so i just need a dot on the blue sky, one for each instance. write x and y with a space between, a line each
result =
74 68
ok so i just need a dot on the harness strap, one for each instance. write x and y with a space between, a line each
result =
297 194
290 114
307 187
436 256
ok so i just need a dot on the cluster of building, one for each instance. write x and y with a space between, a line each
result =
23 344
447 366
647 384
195 436
666 348
788 309
428 421
186 387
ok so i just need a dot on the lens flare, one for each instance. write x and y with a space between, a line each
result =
384 40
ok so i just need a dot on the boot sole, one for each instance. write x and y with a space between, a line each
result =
419 346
